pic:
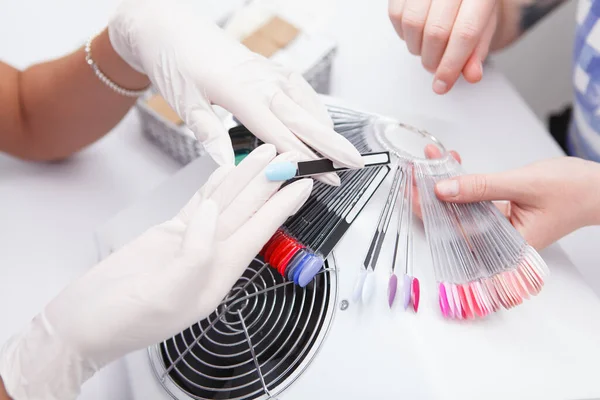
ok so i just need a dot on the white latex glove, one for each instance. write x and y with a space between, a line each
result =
170 277
194 64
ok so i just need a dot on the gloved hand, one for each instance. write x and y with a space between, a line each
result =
451 36
193 64
544 201
170 277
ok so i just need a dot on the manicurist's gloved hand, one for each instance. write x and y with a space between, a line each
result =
170 277
194 64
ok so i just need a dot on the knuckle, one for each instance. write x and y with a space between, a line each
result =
428 65
437 33
395 14
479 186
468 32
412 21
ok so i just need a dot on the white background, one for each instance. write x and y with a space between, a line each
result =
49 212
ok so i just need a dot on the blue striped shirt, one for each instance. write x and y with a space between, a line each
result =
584 133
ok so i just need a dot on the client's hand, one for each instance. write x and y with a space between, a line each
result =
450 36
193 64
544 201
170 277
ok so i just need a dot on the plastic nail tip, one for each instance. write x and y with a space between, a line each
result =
464 302
519 284
443 301
512 294
280 252
451 304
535 279
300 267
358 286
534 272
286 260
510 287
493 295
526 278
407 287
281 171
274 244
268 244
416 294
474 299
507 293
310 270
293 264
392 288
486 298
500 291
369 287
538 261
460 312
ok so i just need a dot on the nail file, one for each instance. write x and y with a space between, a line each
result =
287 170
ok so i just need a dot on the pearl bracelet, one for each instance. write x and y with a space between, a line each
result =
103 78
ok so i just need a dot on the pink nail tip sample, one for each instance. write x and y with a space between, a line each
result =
443 300
460 311
416 294
452 312
464 302
474 299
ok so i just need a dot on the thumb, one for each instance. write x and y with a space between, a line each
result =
209 130
474 188
199 237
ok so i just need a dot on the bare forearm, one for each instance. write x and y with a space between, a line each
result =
56 108
518 16
3 394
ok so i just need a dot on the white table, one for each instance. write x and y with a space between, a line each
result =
49 212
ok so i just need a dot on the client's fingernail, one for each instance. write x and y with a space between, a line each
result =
447 188
440 87
281 171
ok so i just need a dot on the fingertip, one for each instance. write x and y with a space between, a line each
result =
473 71
447 189
305 185
331 179
432 151
306 97
301 190
354 159
266 152
440 86
267 148
221 151
456 156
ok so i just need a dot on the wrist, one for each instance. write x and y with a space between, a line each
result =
36 364
114 66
